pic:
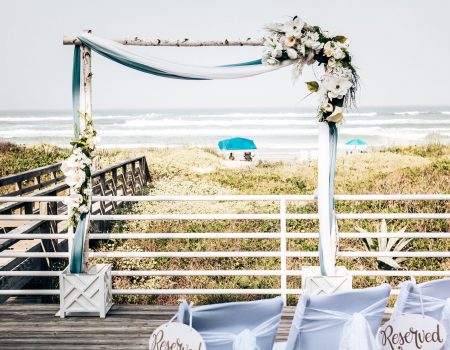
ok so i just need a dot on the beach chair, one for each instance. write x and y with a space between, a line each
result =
344 321
429 298
235 326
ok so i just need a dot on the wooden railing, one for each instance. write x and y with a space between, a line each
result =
32 180
124 178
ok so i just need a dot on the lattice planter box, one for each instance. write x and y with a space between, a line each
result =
313 283
86 294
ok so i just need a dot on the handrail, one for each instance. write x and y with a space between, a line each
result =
279 214
26 175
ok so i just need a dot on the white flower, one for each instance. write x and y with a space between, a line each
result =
273 48
333 49
294 27
337 116
74 200
311 40
335 87
83 209
88 191
301 49
331 63
342 72
292 54
327 107
270 60
75 179
290 41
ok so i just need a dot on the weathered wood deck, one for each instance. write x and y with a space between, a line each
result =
34 326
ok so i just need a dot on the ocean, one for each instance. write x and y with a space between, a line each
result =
278 133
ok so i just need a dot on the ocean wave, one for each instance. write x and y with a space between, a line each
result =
195 133
411 113
212 122
445 112
34 119
355 114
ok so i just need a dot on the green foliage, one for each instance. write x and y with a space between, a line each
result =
384 244
15 159
340 38
312 86
431 150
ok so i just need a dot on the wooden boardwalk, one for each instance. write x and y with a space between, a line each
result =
34 326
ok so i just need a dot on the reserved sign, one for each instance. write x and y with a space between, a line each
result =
176 336
412 332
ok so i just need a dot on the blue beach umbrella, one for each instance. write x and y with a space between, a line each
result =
356 142
236 144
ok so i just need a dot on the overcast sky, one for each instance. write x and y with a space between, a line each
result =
400 46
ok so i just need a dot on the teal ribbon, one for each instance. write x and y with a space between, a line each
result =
76 72
77 255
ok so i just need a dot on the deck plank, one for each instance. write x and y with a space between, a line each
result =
34 326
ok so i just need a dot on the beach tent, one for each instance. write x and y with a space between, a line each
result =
356 142
236 144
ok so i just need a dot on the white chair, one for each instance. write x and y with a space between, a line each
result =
341 321
235 326
429 298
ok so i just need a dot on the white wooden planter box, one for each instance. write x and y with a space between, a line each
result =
313 283
86 294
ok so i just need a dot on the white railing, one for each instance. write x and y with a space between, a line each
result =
283 253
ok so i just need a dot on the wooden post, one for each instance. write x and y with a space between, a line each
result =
86 105
328 259
114 185
124 179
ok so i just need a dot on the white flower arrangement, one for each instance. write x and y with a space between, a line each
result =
78 168
296 40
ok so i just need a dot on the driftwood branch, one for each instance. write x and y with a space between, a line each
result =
183 42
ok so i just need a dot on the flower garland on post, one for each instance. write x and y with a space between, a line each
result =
78 169
307 44
296 40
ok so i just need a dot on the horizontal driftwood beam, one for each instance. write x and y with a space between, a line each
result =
183 42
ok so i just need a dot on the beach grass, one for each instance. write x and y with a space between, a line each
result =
18 158
195 171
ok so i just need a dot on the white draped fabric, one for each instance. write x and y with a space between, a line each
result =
356 333
120 53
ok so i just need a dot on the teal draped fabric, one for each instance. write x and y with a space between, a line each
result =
76 71
77 255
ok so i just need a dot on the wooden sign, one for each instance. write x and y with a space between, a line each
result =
176 336
412 332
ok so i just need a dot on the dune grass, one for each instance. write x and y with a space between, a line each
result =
180 171
16 158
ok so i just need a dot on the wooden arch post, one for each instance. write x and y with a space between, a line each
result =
86 111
